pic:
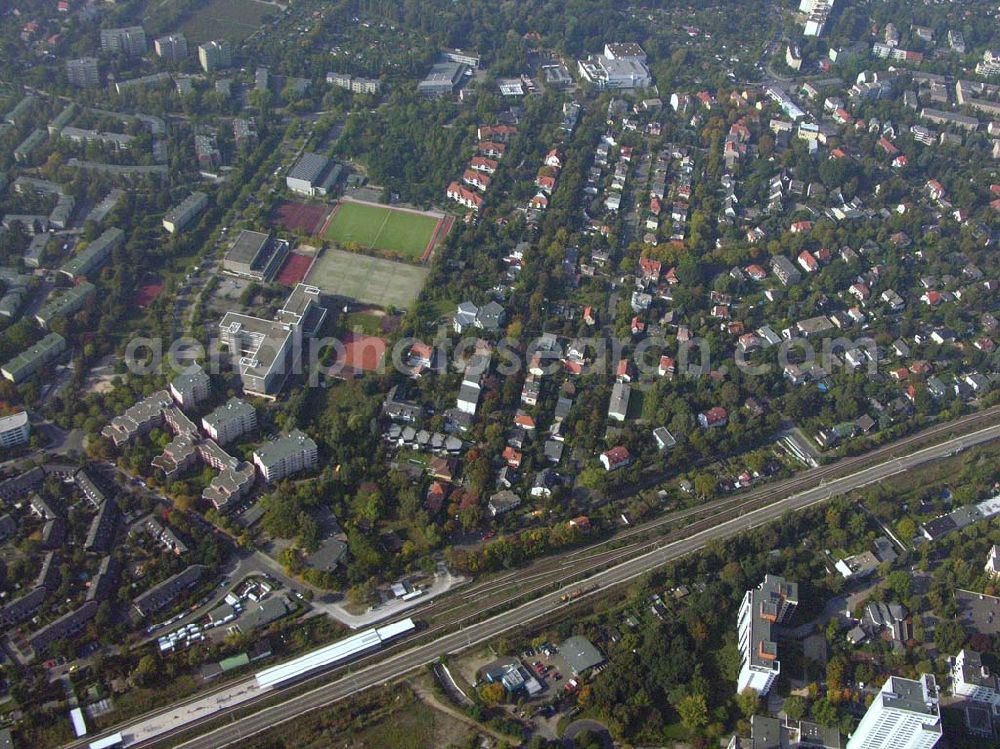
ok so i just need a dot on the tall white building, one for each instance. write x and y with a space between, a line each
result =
904 715
772 602
290 454
232 419
993 562
190 388
973 681
14 430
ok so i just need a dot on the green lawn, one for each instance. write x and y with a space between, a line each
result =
376 227
234 20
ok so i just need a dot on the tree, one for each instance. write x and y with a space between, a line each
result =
693 711
825 712
492 694
146 670
748 701
795 707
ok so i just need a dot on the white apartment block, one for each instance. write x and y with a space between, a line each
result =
189 389
904 715
231 420
14 430
292 453
973 681
772 602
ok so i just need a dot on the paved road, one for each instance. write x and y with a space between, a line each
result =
395 665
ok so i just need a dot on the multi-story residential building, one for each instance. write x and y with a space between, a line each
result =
182 214
164 593
64 627
94 254
129 40
215 55
904 715
25 364
973 681
190 388
14 430
772 602
172 47
231 420
354 83
83 72
288 455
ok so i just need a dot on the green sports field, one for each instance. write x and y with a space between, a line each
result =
376 227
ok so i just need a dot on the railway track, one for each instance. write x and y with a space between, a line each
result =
480 600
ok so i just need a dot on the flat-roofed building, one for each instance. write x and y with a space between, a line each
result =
190 388
772 602
267 351
94 255
138 418
28 145
621 66
905 714
313 174
442 79
14 430
28 362
283 457
231 420
255 255
182 214
215 55
230 485
100 211
83 72
64 303
128 40
172 47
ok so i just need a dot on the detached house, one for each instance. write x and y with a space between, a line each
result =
713 418
615 458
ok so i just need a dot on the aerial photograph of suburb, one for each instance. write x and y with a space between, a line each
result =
499 374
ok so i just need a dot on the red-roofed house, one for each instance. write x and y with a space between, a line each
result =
552 158
650 268
483 164
479 180
615 458
756 272
935 189
667 366
545 182
931 298
624 370
808 262
464 196
713 418
539 202
512 457
492 148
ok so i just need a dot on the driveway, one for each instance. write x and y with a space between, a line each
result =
579 726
